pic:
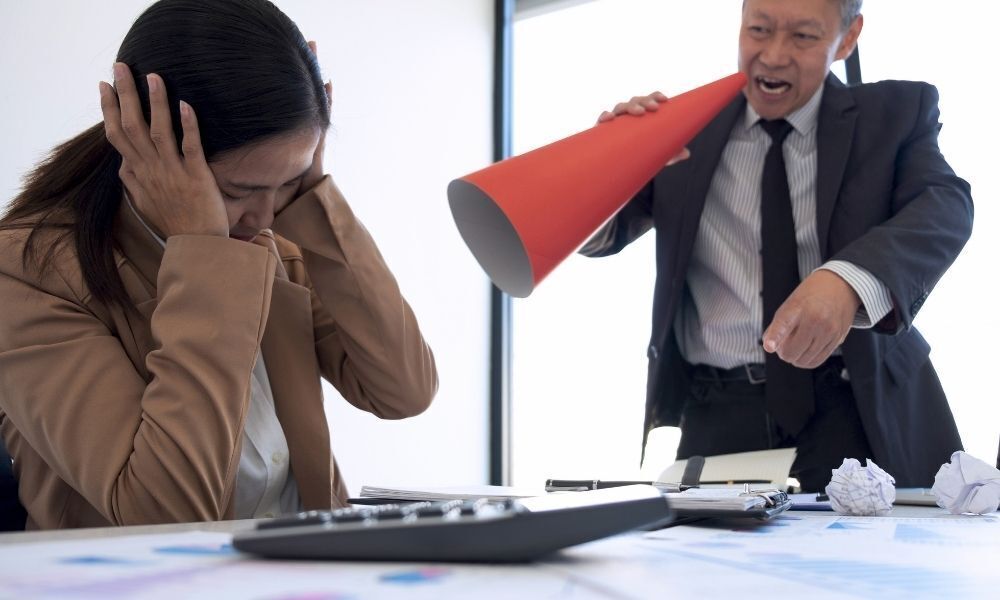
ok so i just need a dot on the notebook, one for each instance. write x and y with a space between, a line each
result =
769 468
433 494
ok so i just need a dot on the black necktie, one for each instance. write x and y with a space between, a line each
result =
788 390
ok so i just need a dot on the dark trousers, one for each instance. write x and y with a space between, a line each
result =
726 416
12 515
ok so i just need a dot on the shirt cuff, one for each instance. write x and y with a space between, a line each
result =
876 301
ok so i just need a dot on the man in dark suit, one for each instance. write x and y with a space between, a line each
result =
794 248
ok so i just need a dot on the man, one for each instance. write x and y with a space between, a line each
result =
794 248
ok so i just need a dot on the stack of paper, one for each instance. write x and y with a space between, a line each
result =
433 494
720 499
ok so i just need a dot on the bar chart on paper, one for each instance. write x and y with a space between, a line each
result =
204 565
806 555
861 556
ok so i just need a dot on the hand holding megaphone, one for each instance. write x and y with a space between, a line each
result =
638 106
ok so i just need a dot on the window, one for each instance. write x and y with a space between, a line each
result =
578 343
948 44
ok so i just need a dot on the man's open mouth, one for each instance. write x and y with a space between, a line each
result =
772 86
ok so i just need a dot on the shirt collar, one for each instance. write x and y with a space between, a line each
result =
803 119
143 222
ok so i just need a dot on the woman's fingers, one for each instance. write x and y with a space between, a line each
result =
133 123
113 122
127 175
191 141
161 131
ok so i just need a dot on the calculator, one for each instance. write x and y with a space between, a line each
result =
481 530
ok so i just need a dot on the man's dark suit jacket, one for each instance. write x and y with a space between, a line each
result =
886 201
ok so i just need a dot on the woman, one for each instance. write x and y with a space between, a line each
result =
161 348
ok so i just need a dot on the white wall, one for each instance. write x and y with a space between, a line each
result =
412 110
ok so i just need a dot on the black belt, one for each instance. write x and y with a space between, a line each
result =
752 373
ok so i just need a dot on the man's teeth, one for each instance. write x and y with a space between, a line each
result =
772 86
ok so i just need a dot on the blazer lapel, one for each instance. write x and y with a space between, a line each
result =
287 347
141 250
834 134
138 266
289 353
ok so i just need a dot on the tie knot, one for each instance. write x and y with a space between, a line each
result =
778 129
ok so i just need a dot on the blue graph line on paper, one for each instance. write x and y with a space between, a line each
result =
101 561
125 587
313 596
416 576
713 545
198 550
914 534
856 577
839 525
761 528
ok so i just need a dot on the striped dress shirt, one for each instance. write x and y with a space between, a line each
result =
719 320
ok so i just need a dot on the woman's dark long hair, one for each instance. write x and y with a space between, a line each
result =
241 64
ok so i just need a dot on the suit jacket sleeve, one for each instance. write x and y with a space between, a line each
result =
628 225
367 339
162 450
931 219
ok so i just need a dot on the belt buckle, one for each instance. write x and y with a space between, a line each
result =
748 368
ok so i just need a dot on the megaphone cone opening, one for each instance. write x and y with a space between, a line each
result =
491 237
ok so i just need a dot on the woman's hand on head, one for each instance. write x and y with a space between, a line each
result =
315 172
173 189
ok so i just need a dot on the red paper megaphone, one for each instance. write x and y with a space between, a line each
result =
523 216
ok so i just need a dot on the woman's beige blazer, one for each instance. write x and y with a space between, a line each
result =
119 416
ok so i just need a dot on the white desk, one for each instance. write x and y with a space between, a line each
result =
917 552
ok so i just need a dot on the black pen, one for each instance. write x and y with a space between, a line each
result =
734 481
582 485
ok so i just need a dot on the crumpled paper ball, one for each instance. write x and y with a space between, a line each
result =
861 491
967 485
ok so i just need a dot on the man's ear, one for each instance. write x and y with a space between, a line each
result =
850 39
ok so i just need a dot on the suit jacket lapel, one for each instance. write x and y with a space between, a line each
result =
706 152
678 216
834 134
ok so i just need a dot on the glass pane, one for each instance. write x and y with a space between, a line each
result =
579 362
579 341
952 44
